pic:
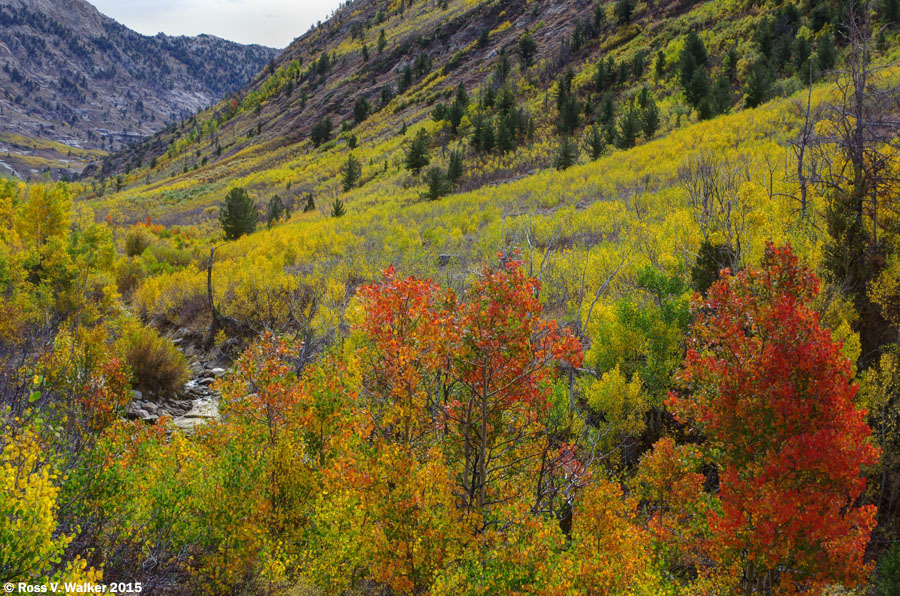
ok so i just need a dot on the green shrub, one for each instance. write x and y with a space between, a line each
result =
887 582
156 364
137 240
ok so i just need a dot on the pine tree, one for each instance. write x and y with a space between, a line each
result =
361 110
527 49
659 68
338 209
310 204
350 173
756 90
629 126
605 76
321 132
825 53
238 214
623 11
595 141
506 134
503 67
692 70
599 16
417 153
566 155
455 167
437 184
484 37
275 211
406 79
382 41
387 94
649 118
567 104
890 13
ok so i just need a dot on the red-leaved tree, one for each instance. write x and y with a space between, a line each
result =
471 374
772 393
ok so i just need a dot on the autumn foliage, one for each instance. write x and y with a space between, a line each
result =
474 373
772 395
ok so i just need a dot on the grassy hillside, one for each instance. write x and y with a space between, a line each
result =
643 343
258 138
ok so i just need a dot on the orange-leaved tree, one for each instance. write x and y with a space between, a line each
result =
772 393
456 390
503 360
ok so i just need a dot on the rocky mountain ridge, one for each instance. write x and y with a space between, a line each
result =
74 76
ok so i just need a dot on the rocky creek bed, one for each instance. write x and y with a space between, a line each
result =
196 403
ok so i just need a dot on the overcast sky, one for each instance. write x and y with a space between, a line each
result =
273 23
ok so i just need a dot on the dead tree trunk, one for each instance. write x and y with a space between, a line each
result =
215 318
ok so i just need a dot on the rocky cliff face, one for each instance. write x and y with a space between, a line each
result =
70 75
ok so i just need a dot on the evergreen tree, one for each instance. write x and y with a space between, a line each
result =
238 214
527 49
437 184
461 97
730 65
825 53
406 79
503 67
484 37
692 70
599 16
720 98
577 37
567 154
649 118
623 11
889 11
506 134
455 167
350 173
455 115
629 126
310 204
567 104
382 41
417 153
321 132
605 77
801 51
361 110
595 141
274 211
756 91
660 65
711 259
365 53
483 134
422 65
607 111
387 94
338 209
638 62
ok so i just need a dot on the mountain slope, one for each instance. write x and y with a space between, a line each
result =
398 63
71 75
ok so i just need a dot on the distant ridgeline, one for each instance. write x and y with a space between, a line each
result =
71 75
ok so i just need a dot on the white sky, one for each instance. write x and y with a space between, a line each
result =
273 23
